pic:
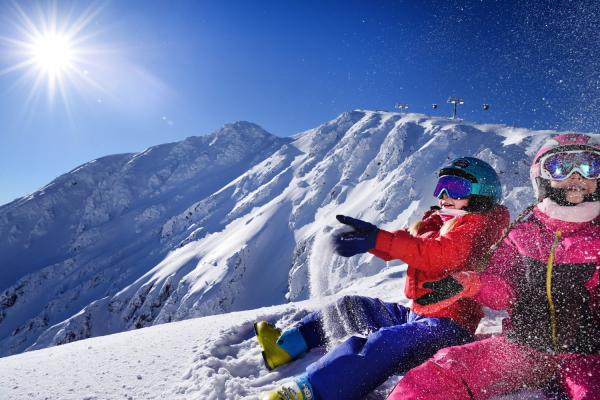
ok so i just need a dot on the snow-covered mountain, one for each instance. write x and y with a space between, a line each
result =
225 222
95 230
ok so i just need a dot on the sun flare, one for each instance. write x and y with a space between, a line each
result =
52 51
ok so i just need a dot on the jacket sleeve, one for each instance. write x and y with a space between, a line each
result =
381 254
496 290
441 254
427 219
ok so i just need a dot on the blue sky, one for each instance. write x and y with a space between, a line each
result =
151 72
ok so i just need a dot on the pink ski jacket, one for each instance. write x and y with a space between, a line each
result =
546 273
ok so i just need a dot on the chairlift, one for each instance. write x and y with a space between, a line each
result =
486 106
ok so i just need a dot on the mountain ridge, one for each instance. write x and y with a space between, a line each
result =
258 237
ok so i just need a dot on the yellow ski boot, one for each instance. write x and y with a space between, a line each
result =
272 353
298 389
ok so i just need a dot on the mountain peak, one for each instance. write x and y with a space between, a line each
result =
241 130
243 125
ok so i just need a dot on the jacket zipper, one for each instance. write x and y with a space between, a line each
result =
552 308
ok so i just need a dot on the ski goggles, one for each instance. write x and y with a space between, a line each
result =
455 187
560 166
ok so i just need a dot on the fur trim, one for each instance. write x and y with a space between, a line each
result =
414 228
447 227
582 212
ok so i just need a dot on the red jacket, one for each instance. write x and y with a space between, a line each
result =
431 256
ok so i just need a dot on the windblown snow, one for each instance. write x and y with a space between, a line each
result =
217 230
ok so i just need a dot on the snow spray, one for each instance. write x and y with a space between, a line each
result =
322 278
320 263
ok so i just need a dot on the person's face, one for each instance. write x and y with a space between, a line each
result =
448 202
576 187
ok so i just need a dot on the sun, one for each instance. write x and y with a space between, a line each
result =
54 58
51 51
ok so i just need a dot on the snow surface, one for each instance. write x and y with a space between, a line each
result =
214 357
219 227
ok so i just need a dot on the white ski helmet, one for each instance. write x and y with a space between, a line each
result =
557 144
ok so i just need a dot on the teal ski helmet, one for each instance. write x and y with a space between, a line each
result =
484 180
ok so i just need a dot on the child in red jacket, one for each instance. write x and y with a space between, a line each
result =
546 273
452 237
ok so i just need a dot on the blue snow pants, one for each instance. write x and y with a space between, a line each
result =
396 340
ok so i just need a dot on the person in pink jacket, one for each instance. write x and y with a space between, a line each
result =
546 274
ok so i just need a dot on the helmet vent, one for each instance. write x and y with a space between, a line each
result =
461 163
457 172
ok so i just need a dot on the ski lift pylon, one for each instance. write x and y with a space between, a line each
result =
455 101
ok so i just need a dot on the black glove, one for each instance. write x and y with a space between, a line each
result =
455 286
360 240
441 290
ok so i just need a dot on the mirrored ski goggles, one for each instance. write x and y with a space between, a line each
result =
560 166
455 186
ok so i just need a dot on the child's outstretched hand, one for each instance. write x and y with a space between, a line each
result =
360 240
448 290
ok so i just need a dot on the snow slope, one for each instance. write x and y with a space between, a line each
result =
208 358
232 221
